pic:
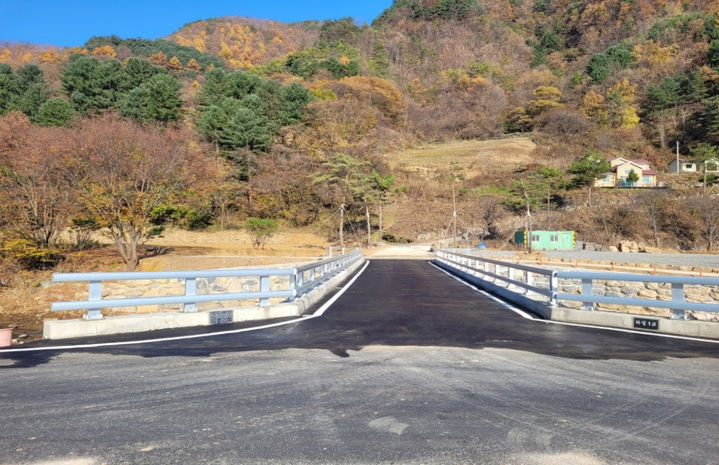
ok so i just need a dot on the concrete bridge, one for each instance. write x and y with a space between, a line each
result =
409 365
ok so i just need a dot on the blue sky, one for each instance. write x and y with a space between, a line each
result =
69 23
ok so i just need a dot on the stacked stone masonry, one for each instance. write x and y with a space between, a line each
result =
658 291
176 287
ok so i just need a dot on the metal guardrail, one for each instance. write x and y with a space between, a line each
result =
509 272
502 271
300 280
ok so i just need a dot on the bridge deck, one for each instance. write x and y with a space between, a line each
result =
408 366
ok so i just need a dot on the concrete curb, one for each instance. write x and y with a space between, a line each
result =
691 328
66 329
315 295
702 329
540 308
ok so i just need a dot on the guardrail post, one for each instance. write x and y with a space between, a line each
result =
264 287
553 288
94 295
528 280
678 296
587 291
293 284
190 290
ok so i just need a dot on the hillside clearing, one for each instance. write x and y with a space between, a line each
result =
474 155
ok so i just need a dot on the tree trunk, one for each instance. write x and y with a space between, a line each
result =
529 223
662 135
549 204
342 223
369 229
380 222
589 198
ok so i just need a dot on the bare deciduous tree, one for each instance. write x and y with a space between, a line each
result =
492 212
37 175
651 203
706 210
128 172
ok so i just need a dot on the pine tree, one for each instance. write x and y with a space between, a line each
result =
588 169
292 100
156 100
55 112
709 120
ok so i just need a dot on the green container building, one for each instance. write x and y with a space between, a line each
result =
547 240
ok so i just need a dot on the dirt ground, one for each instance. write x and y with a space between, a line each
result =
475 157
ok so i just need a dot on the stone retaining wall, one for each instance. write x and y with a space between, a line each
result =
632 289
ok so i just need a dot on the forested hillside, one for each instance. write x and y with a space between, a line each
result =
292 122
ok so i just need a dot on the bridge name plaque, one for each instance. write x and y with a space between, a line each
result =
646 323
221 317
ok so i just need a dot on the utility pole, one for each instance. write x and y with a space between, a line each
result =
369 229
678 166
454 216
529 219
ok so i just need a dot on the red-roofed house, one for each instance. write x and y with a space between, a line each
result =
621 167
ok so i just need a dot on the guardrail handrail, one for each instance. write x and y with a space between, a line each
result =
678 304
531 269
301 280
318 270
151 275
636 277
470 262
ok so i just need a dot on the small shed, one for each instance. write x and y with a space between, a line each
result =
547 240
683 166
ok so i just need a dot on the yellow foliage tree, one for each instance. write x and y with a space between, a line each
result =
594 107
49 56
159 59
175 64
653 54
104 51
621 108
225 52
193 65
78 51
545 98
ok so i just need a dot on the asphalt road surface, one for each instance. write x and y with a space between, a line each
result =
409 366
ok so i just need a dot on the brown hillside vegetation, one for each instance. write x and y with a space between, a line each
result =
245 42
